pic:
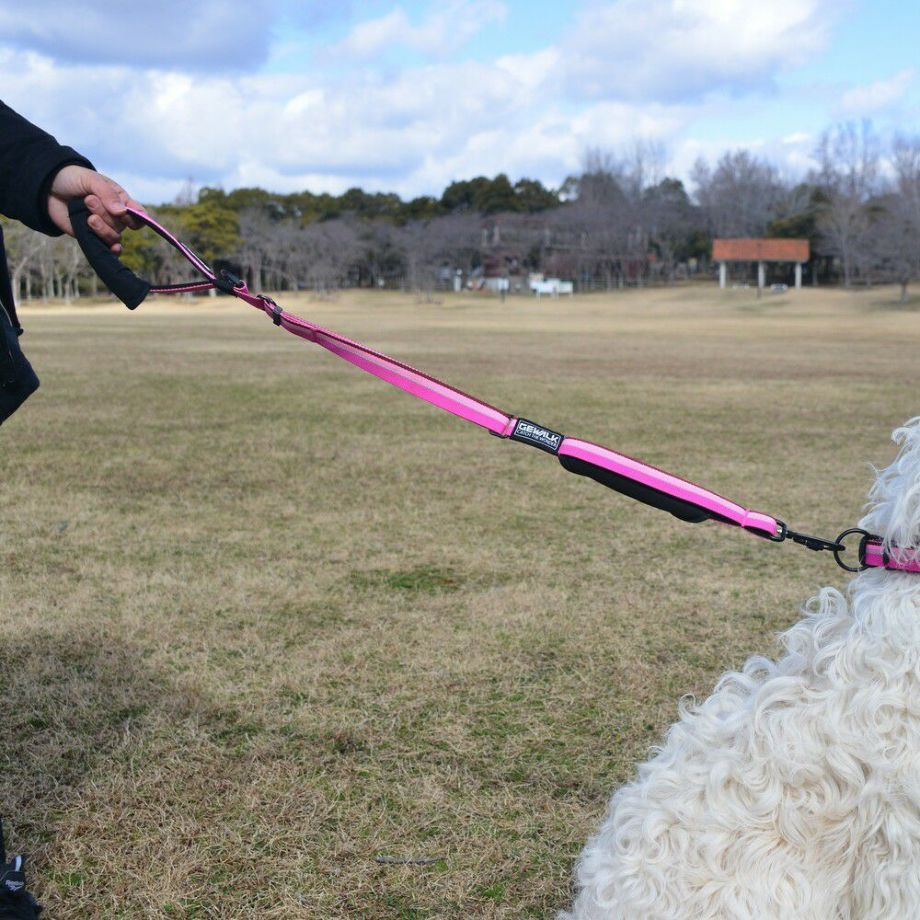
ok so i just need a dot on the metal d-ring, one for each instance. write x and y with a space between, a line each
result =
861 551
783 530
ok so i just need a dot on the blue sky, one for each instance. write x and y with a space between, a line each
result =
410 96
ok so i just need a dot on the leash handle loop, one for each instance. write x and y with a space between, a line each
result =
128 287
116 276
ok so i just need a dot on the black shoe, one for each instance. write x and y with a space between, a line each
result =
15 902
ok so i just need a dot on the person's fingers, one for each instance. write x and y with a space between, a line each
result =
105 199
120 202
117 221
131 221
112 200
98 208
105 233
110 195
102 222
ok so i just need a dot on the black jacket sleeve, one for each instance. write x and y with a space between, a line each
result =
29 160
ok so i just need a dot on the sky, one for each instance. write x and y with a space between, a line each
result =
410 96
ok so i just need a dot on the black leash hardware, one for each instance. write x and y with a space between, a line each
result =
227 282
276 310
860 552
837 547
815 543
803 539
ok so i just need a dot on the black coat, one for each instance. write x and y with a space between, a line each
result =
29 161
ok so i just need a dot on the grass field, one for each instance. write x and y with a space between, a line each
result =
281 641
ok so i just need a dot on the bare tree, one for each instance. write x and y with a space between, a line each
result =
455 243
611 222
23 247
255 235
848 158
423 247
899 224
285 257
741 196
595 226
327 251
380 258
70 264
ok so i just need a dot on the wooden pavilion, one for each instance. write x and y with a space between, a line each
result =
760 251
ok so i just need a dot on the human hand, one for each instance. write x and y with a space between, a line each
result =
105 199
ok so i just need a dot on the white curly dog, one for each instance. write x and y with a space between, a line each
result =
794 790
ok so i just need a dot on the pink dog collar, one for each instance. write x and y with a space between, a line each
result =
872 554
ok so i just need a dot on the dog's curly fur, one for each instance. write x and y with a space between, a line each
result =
794 790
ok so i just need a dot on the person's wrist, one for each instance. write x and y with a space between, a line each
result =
51 192
70 181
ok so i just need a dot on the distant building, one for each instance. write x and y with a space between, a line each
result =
760 251
539 285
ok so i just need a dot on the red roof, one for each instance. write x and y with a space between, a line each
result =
774 250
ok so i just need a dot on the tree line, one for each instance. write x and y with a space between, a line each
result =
621 221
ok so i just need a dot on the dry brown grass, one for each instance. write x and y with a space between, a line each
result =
268 621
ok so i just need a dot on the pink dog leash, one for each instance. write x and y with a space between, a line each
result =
638 480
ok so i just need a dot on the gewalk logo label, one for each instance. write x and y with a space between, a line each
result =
537 436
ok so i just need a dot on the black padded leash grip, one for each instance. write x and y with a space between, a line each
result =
114 274
684 510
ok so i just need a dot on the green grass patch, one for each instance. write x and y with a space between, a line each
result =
418 580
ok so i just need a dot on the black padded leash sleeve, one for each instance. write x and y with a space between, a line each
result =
684 510
113 273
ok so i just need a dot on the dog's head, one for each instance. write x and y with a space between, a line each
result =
894 499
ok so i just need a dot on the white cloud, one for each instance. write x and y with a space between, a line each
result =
791 154
651 70
872 98
412 133
669 50
532 70
370 36
448 26
184 34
